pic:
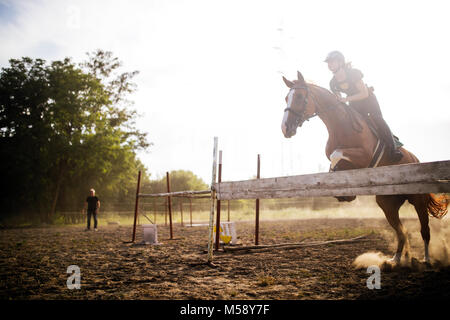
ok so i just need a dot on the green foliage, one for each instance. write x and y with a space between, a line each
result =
65 128
186 180
180 180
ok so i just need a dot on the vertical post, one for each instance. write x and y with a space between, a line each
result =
180 200
169 205
219 179
154 207
213 196
257 204
165 212
190 209
228 207
136 206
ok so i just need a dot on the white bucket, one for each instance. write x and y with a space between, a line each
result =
150 233
227 233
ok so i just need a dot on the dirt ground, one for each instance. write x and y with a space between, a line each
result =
34 262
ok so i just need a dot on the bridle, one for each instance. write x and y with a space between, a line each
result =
298 120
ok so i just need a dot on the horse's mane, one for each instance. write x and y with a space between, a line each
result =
353 117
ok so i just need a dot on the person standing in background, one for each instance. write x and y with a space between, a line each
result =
93 204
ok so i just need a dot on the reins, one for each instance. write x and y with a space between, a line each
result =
347 109
304 102
299 115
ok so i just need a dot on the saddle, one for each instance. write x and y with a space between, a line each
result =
378 153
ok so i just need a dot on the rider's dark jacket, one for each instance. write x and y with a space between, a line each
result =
348 86
368 107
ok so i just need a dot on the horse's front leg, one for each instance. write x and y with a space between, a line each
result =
347 159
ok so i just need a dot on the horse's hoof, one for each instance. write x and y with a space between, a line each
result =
395 259
386 266
346 198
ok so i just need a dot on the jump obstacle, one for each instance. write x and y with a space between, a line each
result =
181 194
416 178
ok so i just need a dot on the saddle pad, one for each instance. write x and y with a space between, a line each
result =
377 154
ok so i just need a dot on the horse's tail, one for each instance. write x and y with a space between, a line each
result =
437 205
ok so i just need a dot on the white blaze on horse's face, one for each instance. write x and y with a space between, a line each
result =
286 113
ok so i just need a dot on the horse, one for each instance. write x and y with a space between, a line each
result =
351 145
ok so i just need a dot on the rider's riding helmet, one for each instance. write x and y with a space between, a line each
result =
335 55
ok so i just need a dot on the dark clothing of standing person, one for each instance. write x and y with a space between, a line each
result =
92 211
93 204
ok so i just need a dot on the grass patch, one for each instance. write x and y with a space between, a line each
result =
305 273
20 243
362 207
233 294
265 281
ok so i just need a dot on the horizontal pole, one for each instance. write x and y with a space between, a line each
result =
175 194
399 179
180 196
419 188
184 196
295 245
194 197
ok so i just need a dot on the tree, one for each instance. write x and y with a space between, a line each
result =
180 180
63 128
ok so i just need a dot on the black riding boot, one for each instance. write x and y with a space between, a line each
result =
386 135
394 154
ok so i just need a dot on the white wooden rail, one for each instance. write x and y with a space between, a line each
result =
186 194
399 179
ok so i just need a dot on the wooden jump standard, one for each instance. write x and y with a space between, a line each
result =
185 194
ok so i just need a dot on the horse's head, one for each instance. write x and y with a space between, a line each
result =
299 107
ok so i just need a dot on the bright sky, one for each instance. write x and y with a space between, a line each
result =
213 68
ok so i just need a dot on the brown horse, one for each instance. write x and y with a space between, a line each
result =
351 145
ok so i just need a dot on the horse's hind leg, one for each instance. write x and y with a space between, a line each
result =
390 204
419 203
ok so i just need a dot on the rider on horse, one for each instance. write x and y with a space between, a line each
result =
360 97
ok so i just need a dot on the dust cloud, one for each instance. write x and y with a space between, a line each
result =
367 259
439 248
